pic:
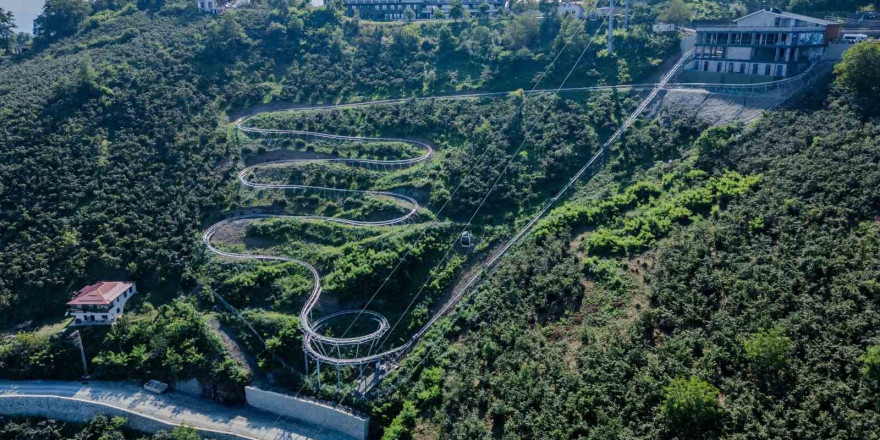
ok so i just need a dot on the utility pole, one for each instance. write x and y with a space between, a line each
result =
77 339
626 15
611 30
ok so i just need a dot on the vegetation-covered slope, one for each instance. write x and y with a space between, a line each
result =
729 293
99 428
115 151
110 142
708 283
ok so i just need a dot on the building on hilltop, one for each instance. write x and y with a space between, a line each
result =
218 6
570 8
659 28
423 9
100 303
768 42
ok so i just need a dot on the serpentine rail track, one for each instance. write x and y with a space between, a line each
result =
315 343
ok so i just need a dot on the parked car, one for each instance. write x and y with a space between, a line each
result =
854 38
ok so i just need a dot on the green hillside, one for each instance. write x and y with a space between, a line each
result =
699 282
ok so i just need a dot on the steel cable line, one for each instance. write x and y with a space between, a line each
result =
239 124
469 173
311 332
663 84
497 255
509 161
491 264
798 80
628 122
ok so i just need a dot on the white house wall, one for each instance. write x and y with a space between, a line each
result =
739 53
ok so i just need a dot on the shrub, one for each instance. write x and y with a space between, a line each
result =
871 363
769 349
691 405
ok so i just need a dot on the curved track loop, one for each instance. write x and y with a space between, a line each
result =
314 341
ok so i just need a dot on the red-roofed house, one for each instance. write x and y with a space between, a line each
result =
100 303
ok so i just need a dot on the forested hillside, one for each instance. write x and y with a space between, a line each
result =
729 291
700 282
112 148
116 152
99 428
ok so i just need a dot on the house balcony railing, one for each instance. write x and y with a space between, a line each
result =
735 28
776 44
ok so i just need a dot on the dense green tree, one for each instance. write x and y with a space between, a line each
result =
184 433
691 405
98 428
675 11
769 349
457 10
857 74
523 32
484 9
715 146
697 260
60 19
103 428
402 426
871 363
31 430
177 344
7 30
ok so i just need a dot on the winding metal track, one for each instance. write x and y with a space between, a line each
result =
314 341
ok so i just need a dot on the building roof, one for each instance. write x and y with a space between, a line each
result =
100 293
789 15
570 4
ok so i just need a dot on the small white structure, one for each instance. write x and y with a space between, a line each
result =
156 387
100 303
570 8
854 38
659 28
467 239
606 11
217 6
209 6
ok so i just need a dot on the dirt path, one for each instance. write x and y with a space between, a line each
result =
239 353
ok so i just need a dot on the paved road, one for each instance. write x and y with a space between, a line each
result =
175 408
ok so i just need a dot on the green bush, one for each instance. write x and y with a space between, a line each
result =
691 405
871 363
857 75
177 344
769 349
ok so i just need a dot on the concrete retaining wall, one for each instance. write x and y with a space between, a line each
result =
191 387
309 411
834 51
75 410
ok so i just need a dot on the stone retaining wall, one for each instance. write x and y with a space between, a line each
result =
75 410
309 411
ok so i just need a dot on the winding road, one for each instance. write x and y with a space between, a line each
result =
315 343
78 402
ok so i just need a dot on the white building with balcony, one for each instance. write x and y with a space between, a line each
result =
218 6
388 10
570 8
100 303
768 42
